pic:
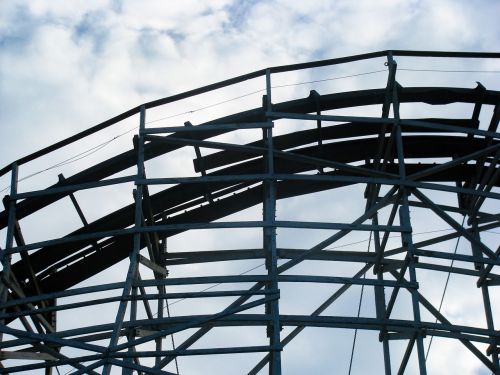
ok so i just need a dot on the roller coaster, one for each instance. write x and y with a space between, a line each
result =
100 298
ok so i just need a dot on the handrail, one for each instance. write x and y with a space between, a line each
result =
238 79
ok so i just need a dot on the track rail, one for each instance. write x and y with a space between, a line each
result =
402 165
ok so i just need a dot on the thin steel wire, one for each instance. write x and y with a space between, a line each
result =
444 290
172 338
102 145
99 147
359 311
326 249
94 149
449 71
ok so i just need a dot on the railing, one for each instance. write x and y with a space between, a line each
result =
402 184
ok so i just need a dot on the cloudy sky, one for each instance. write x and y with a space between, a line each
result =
68 65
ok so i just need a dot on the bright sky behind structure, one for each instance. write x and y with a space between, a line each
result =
68 65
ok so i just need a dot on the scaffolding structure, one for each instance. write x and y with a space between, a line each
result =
401 164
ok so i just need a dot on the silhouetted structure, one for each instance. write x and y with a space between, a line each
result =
400 163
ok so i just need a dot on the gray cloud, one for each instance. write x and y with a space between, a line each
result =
65 67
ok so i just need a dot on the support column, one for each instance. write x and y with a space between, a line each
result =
407 240
161 300
372 193
380 304
134 254
269 240
134 264
487 304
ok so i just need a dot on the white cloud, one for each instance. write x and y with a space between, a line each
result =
65 66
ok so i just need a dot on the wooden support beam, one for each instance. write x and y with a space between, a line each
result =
27 356
152 266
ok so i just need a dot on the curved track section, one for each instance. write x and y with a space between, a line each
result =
264 222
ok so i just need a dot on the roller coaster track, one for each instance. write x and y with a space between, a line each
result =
402 165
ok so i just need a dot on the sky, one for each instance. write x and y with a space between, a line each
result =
68 65
79 62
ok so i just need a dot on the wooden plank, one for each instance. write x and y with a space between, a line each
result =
153 266
27 356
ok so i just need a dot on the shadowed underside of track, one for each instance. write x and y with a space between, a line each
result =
62 266
442 168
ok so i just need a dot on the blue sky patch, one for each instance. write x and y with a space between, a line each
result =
91 27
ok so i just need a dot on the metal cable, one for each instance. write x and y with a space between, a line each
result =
213 286
167 306
205 107
98 147
332 248
317 81
359 311
444 290
74 158
263 90
449 71
172 338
